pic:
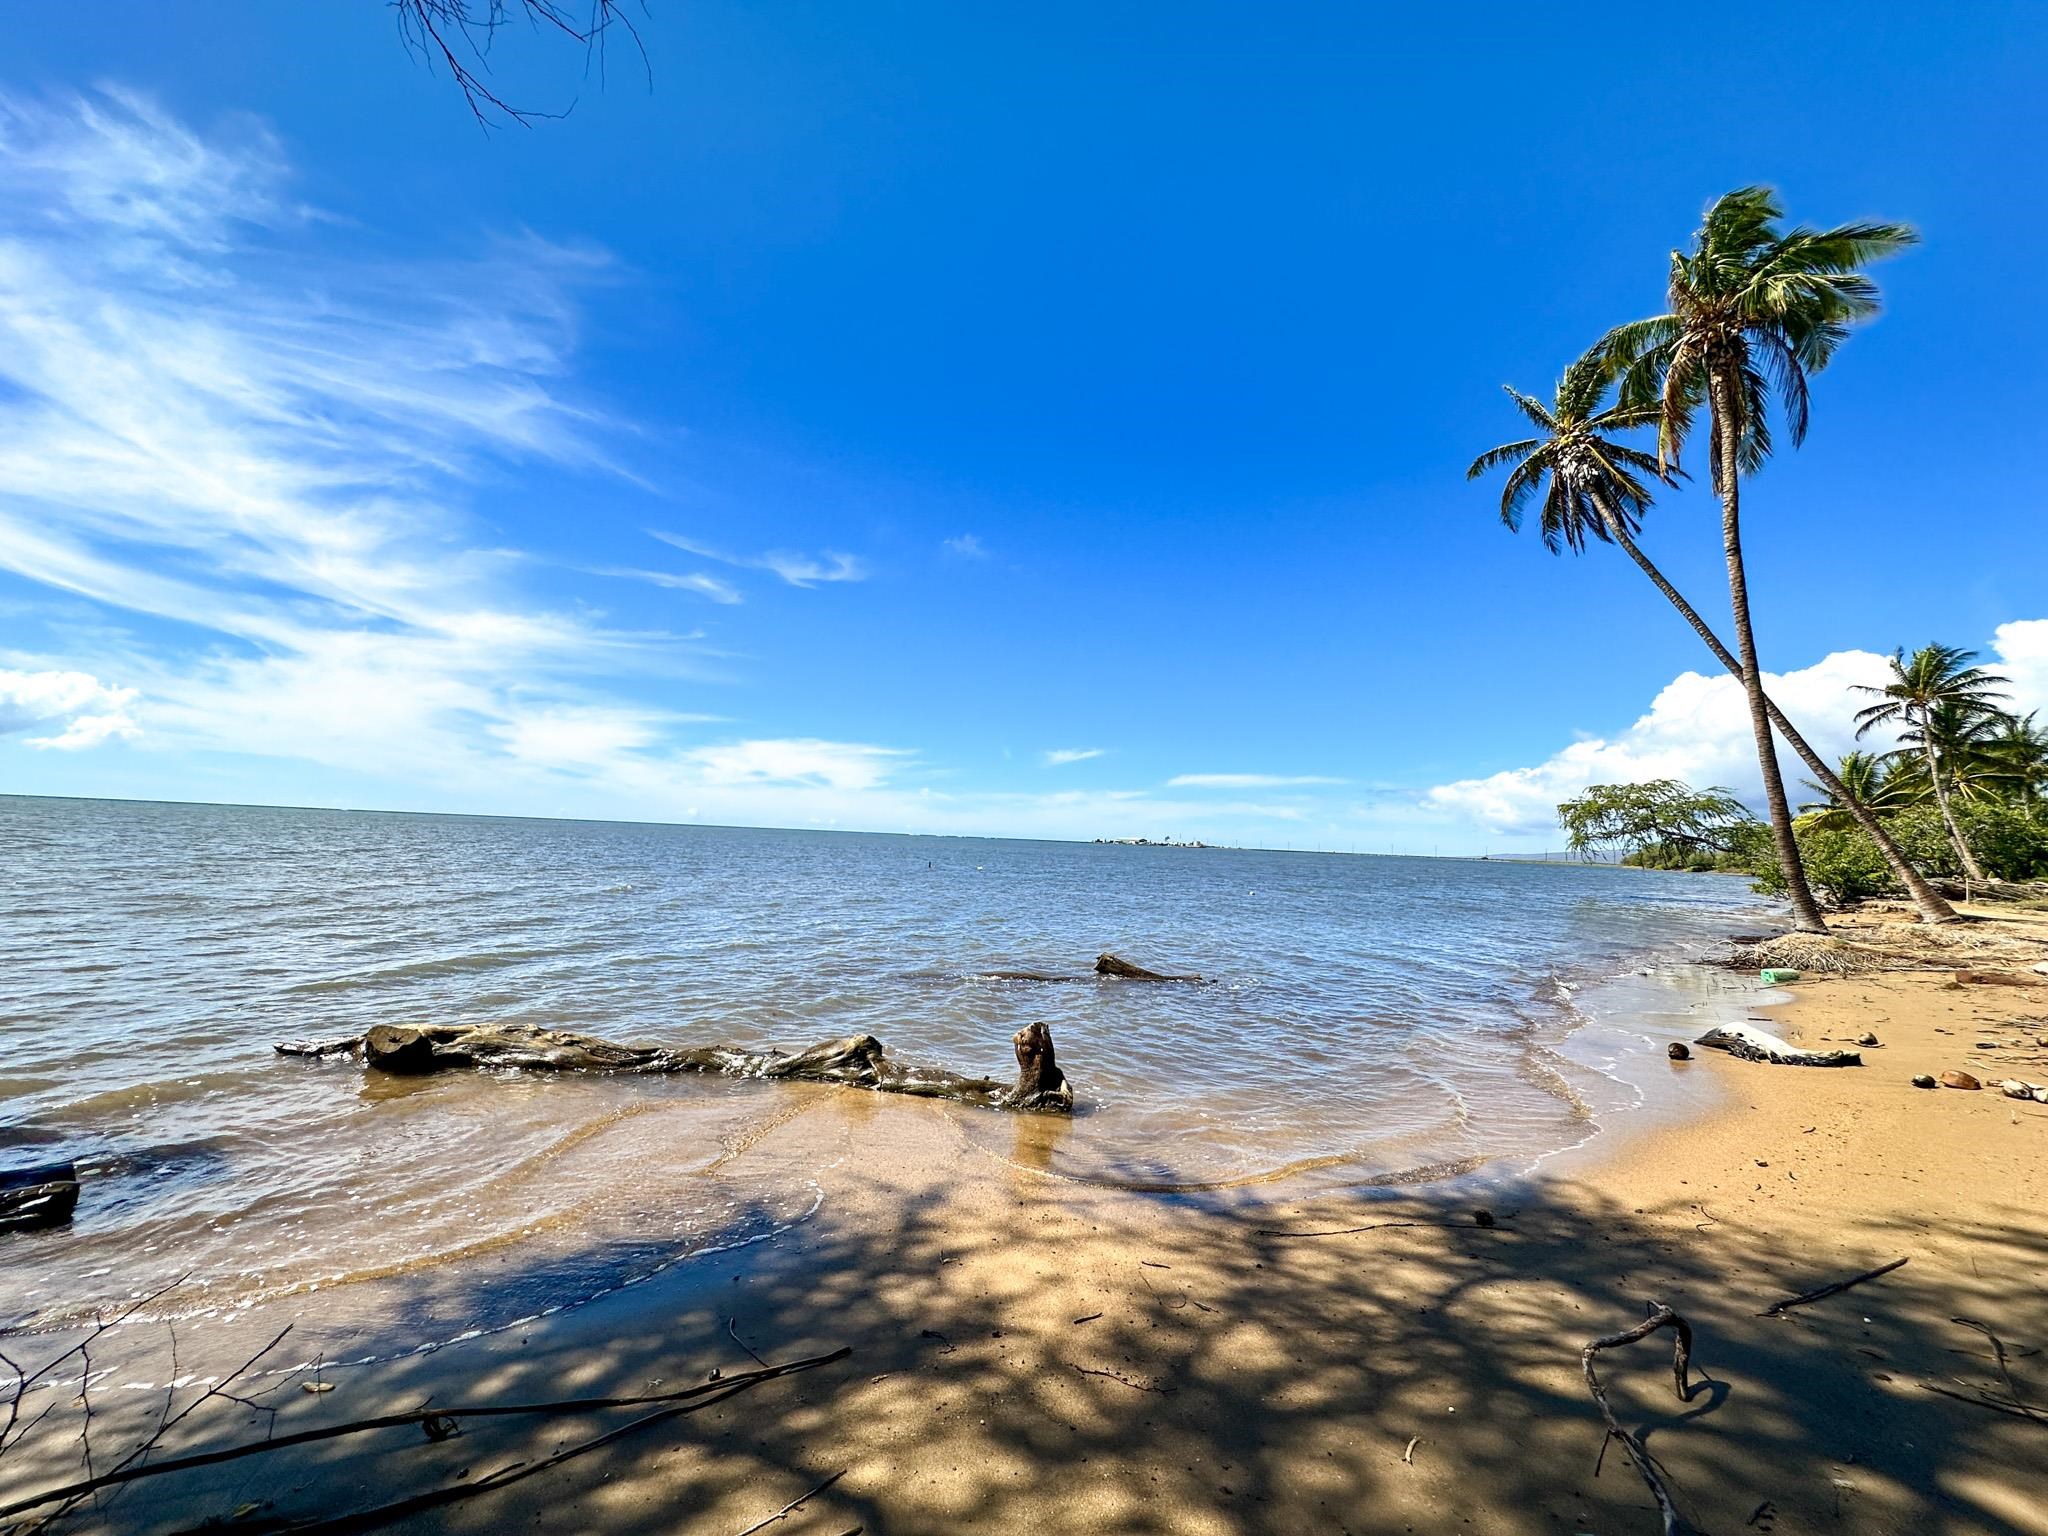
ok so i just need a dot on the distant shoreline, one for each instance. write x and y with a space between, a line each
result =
720 826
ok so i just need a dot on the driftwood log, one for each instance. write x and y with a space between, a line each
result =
37 1197
858 1061
1753 1044
1120 969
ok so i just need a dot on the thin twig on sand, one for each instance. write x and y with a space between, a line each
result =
2004 1369
1123 1380
794 1504
1777 1307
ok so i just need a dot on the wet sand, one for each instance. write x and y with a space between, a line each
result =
1033 1354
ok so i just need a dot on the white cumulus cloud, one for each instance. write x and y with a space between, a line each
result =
1059 757
85 710
1698 729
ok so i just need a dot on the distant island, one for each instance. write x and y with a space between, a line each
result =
1147 842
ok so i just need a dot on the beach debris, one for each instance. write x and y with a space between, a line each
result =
1677 1050
2042 968
1121 969
671 1405
1778 1308
1483 1218
38 1197
793 1505
1123 1380
1774 975
1660 1316
857 1061
1753 1044
1866 1038
1994 979
2014 1088
1953 1079
1925 1080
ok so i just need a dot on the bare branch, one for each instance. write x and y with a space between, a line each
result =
459 34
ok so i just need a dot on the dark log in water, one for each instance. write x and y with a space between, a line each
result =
46 1196
1122 970
858 1061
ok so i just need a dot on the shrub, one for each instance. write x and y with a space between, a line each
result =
1842 865
2009 842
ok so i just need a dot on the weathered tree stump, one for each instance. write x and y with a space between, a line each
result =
858 1061
37 1197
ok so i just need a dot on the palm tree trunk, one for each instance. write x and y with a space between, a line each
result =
1933 907
1955 833
1805 910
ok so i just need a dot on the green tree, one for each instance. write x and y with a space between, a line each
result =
1594 487
1662 815
2021 748
1754 311
1937 681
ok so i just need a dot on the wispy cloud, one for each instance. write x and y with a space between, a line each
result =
1059 757
967 546
796 569
275 452
828 764
700 582
1249 780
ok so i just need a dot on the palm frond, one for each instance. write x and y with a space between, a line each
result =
1506 453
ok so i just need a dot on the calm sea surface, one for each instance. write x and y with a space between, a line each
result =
1378 1019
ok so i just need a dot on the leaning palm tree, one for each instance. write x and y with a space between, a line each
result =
1595 488
1933 680
1754 311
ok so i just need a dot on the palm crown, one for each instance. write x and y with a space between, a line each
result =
1585 476
1757 305
1932 694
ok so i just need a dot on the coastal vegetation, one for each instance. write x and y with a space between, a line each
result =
1754 311
1963 797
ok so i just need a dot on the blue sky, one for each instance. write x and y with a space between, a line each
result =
1046 421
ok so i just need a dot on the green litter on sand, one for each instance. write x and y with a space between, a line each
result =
1771 976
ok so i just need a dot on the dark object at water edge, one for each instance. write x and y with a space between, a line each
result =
1678 1051
37 1197
1123 970
858 1061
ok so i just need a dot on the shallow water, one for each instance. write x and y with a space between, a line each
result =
1378 1019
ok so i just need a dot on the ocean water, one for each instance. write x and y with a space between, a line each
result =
1363 1020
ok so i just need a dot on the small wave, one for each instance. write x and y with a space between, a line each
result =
444 965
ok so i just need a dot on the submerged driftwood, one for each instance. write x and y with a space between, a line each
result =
1753 1044
1122 970
859 1061
37 1197
1107 967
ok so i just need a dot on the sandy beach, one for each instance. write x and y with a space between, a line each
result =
1033 1354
